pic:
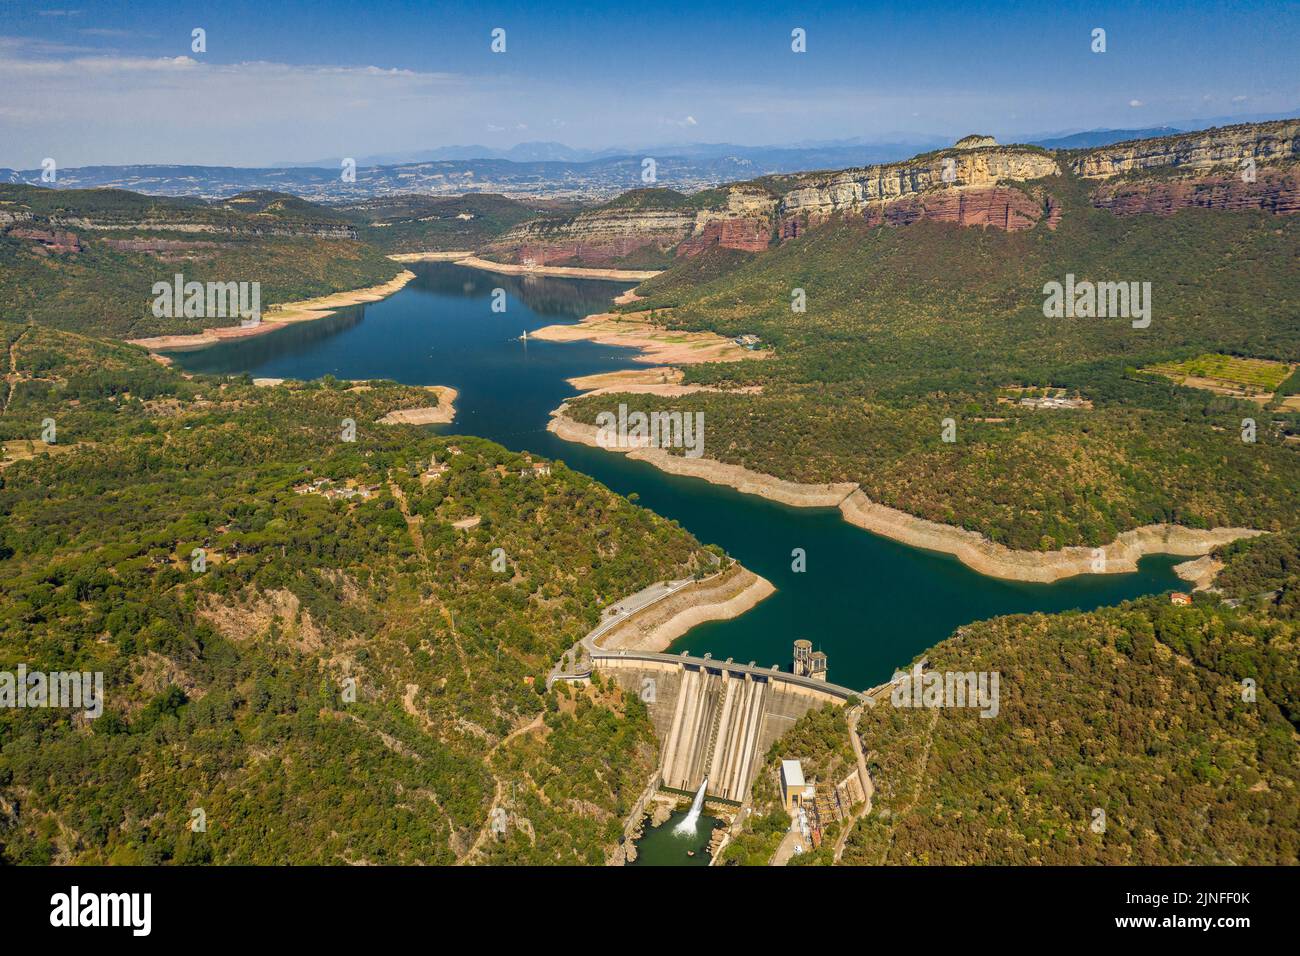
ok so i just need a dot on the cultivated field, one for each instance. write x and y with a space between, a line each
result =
1228 374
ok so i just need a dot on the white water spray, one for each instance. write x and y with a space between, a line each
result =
687 826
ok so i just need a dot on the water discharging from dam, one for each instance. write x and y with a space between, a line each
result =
688 822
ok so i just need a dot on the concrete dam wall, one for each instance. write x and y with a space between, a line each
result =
714 719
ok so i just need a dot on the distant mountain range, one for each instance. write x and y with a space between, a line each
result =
834 151
537 169
593 179
1091 139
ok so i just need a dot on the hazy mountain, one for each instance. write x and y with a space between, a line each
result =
1090 139
1093 138
838 151
686 168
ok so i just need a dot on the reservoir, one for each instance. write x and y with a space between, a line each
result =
871 604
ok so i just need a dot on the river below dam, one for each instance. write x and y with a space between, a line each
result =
871 604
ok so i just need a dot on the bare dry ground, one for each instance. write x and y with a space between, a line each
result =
658 345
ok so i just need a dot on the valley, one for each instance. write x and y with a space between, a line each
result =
850 340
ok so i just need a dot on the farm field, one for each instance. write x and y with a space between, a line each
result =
1227 374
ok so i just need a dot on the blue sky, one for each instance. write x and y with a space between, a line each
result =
117 82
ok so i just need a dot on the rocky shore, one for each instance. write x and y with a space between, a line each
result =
572 272
719 598
304 310
440 414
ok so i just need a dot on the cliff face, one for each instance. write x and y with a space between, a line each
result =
48 240
1226 146
1276 191
1254 166
819 196
976 183
959 185
598 236
250 230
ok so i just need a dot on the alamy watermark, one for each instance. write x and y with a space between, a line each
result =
210 300
64 690
133 911
655 430
975 689
1101 300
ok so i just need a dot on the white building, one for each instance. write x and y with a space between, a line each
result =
792 784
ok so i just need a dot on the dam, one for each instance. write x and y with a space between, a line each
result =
714 720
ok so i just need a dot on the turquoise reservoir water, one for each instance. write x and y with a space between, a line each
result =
870 603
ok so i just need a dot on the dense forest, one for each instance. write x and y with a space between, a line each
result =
86 260
908 327
1140 734
310 640
415 223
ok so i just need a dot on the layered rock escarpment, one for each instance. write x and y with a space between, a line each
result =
58 241
976 183
818 196
123 224
743 220
1224 146
170 220
964 185
1251 166
598 236
1276 191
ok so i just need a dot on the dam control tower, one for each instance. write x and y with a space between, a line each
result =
807 662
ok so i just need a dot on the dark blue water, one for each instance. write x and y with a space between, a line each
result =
870 603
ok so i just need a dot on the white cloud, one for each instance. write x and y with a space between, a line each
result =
1135 103
133 109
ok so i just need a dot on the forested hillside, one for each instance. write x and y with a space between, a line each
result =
338 679
1141 734
86 260
417 223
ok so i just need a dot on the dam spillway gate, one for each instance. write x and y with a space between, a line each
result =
714 719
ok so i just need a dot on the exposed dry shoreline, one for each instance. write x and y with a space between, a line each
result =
996 560
304 310
572 272
431 256
719 599
471 261
661 380
439 414
656 344
970 547
1199 572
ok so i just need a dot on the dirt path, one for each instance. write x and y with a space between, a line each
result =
486 829
12 375
414 526
868 787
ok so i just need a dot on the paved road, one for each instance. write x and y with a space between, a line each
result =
868 787
615 614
